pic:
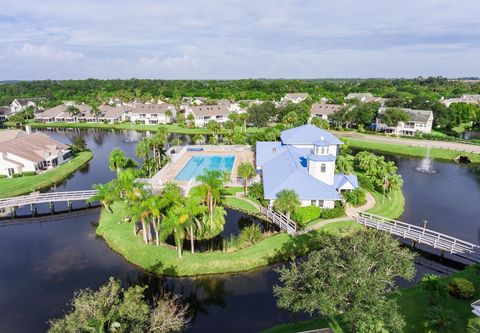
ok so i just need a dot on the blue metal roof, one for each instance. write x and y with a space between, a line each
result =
321 143
288 170
307 135
321 158
266 150
340 180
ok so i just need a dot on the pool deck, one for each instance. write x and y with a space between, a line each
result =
168 173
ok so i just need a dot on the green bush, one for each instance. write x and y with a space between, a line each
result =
356 197
461 288
3 176
17 175
249 236
473 325
331 213
29 173
303 215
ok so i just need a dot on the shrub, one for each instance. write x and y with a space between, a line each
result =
330 213
17 175
356 197
365 182
256 191
29 173
3 176
461 288
473 325
249 236
303 215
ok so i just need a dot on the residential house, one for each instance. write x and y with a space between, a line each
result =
303 161
5 112
24 152
112 114
204 113
151 114
20 104
469 99
294 98
366 98
419 121
324 110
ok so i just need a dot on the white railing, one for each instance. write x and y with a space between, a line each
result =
280 219
48 197
418 234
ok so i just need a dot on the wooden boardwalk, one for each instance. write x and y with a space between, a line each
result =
280 219
420 235
49 197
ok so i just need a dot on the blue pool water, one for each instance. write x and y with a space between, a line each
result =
197 165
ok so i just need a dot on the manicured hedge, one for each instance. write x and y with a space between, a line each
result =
306 214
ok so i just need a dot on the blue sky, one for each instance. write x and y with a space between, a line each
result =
238 39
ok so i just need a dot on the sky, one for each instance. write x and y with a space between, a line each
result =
231 39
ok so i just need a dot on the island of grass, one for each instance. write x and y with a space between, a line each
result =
10 187
163 259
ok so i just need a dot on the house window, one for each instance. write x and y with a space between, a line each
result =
11 171
323 150
320 203
313 202
323 167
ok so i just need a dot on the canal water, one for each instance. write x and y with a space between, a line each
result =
43 263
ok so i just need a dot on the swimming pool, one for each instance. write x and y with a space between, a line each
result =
197 165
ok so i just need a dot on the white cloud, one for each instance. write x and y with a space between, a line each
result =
45 52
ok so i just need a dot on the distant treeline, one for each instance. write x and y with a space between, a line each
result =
89 90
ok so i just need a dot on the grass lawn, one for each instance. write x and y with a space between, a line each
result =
413 302
164 260
240 204
392 208
10 187
306 326
171 128
390 148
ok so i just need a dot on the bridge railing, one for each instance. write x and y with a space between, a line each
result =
46 197
421 235
280 219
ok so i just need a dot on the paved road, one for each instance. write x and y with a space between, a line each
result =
412 142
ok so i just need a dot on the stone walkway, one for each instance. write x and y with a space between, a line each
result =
351 212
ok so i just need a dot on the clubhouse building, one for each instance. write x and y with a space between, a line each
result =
303 161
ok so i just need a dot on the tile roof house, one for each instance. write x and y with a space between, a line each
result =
323 110
366 98
5 112
204 113
303 161
112 114
294 98
418 121
151 114
19 104
469 99
23 152
60 113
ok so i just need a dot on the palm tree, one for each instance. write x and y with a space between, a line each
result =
246 171
175 223
117 160
287 201
107 194
176 142
438 318
197 139
434 286
214 127
394 182
212 184
191 120
192 209
157 144
142 150
229 125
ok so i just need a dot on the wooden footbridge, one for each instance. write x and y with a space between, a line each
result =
49 197
279 219
421 235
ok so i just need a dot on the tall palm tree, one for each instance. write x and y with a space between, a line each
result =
117 160
198 138
246 171
142 150
438 318
157 144
192 209
212 184
287 201
434 286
